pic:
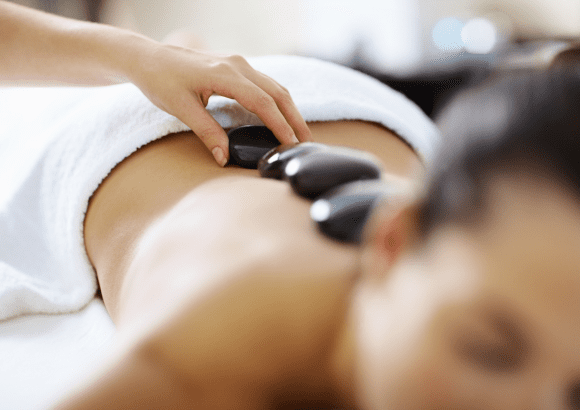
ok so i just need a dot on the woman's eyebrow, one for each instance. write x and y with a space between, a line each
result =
513 345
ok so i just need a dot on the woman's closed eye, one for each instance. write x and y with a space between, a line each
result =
493 343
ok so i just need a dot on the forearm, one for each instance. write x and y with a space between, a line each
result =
131 382
38 48
139 381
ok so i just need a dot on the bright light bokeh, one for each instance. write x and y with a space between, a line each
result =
479 36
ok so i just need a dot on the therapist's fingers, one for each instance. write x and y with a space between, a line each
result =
281 97
284 102
262 105
193 114
180 81
256 100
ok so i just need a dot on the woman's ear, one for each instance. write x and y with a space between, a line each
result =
390 230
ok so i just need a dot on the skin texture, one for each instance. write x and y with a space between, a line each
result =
43 49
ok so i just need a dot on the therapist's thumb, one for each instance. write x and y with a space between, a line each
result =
207 130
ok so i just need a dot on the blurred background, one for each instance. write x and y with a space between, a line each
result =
427 49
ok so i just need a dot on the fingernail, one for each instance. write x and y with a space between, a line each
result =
219 156
294 139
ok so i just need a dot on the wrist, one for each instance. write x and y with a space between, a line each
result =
132 56
108 54
122 53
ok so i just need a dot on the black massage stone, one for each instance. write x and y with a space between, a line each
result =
272 164
312 174
250 143
342 212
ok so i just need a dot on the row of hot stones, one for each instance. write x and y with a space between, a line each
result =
344 184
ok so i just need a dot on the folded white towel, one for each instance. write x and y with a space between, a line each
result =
57 145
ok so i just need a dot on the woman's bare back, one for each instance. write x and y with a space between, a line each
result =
219 281
146 185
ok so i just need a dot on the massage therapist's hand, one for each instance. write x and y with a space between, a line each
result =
38 48
180 81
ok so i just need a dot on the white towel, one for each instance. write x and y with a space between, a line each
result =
58 144
45 356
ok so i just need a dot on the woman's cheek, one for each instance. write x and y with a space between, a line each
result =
422 382
435 387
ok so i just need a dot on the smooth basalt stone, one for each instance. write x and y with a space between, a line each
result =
342 212
250 143
312 174
272 164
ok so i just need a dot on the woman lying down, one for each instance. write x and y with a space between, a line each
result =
227 296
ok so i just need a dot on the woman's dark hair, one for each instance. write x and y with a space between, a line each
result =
519 121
